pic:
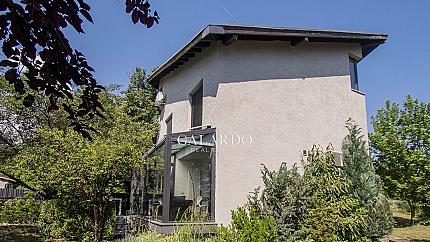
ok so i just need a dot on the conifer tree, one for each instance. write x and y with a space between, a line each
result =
365 185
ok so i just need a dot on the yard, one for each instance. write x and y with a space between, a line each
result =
404 232
18 233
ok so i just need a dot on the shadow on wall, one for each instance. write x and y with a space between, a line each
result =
247 61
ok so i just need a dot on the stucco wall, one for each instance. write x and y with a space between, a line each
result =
286 98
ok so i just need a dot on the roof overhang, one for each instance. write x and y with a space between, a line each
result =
230 33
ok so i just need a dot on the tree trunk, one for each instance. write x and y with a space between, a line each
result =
99 211
413 208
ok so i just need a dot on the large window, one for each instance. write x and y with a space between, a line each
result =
353 73
191 178
197 106
154 187
180 178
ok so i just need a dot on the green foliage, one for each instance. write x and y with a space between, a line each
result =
283 198
365 185
19 122
331 215
60 220
249 226
400 143
314 206
139 99
63 165
20 211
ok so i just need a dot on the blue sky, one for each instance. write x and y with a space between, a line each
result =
114 46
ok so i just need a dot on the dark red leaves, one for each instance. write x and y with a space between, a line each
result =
140 11
86 15
28 100
83 5
8 63
149 22
30 29
3 5
135 16
129 6
11 75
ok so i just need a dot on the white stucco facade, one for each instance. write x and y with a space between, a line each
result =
284 98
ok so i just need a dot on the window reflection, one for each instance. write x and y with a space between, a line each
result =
191 179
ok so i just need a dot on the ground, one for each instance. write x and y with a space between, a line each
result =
19 233
404 232
401 233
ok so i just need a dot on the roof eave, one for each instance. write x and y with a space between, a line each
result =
368 41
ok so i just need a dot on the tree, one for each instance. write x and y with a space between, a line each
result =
401 145
283 197
75 171
314 206
331 215
18 123
365 185
40 58
139 100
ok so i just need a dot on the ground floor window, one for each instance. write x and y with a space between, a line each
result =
179 178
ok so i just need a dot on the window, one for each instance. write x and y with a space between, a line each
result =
179 179
197 106
191 188
353 73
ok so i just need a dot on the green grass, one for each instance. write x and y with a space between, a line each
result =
417 233
403 230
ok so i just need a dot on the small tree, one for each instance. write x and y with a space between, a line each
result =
247 225
331 215
314 206
366 186
282 197
400 143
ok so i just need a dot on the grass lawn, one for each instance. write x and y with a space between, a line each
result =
402 230
415 233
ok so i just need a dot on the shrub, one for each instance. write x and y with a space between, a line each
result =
59 220
314 206
249 226
365 185
20 210
283 198
330 214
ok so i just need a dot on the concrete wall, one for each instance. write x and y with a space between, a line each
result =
286 98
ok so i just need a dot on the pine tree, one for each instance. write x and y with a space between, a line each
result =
331 215
365 185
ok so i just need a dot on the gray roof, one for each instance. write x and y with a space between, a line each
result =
229 33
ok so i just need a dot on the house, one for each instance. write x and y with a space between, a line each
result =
235 97
11 187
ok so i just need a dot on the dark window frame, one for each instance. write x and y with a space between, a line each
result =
167 170
353 73
196 103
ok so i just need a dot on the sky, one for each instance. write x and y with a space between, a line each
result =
114 46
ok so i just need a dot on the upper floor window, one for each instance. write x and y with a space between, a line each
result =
197 106
353 73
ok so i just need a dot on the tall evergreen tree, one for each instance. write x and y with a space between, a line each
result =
366 186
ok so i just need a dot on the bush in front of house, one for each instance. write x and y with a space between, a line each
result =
313 206
60 220
20 210
248 225
365 185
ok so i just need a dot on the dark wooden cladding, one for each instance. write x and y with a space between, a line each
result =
230 33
